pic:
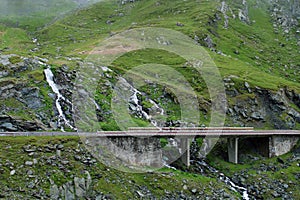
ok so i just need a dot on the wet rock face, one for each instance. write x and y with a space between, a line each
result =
32 98
9 124
64 79
256 107
13 65
18 96
22 90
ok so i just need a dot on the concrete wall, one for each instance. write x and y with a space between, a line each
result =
127 151
138 151
279 145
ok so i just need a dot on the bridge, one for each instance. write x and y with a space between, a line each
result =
271 142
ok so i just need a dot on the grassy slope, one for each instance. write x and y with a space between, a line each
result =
255 174
257 44
30 15
84 29
15 40
114 183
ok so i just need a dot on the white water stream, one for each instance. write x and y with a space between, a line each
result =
234 187
134 99
62 118
226 180
139 108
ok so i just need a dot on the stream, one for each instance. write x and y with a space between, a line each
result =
59 97
136 106
243 191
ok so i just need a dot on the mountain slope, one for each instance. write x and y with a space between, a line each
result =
254 44
257 62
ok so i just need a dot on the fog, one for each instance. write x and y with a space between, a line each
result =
20 11
25 7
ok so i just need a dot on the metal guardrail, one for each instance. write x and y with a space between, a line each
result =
148 132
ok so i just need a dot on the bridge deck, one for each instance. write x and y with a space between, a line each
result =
163 132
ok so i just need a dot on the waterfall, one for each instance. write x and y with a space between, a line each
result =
135 104
233 186
62 118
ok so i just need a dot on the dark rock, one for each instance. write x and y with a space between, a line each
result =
226 195
280 160
31 185
209 42
29 172
31 97
141 195
109 22
179 24
77 157
8 126
257 116
293 113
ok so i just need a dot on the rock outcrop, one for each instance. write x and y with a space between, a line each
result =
254 106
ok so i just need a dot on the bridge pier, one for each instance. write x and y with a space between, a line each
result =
185 146
232 144
276 145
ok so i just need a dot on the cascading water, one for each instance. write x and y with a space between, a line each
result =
61 116
233 186
136 104
138 108
222 177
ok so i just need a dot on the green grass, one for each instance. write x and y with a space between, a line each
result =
118 184
15 40
260 61
251 169
81 31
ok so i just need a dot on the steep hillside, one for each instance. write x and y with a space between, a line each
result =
61 168
39 168
50 69
255 54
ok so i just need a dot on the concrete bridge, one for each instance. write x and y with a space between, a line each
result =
270 142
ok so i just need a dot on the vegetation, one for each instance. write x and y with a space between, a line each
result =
116 184
283 169
246 52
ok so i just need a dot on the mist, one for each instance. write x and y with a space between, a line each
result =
36 13
27 7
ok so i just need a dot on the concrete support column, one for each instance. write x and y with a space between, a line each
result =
233 149
185 146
